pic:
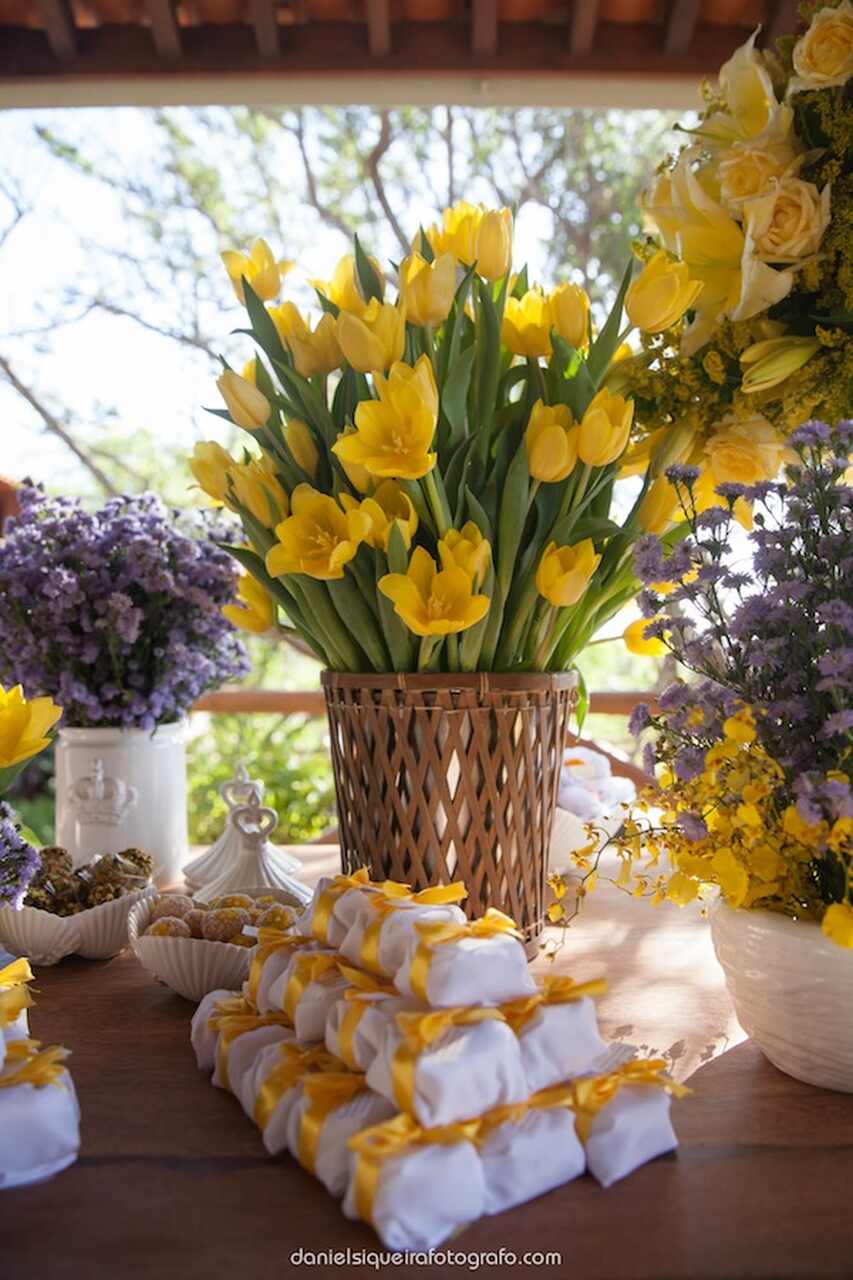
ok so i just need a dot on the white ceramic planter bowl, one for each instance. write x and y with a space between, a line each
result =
792 990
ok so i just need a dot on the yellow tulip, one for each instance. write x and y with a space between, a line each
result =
493 245
564 573
254 610
433 602
255 485
605 428
259 267
658 506
474 234
661 294
210 464
551 440
250 371
313 350
388 506
570 313
393 433
467 549
302 446
636 640
25 725
427 288
770 362
374 341
343 289
527 323
248 407
318 538
358 475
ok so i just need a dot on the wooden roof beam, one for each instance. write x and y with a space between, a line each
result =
164 29
582 26
379 28
59 26
265 22
681 26
783 19
484 28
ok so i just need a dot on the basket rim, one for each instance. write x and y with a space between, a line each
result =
422 681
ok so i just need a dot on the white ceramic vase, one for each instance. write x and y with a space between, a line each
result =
792 991
123 788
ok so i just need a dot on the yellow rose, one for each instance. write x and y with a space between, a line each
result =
570 314
788 222
661 294
745 451
255 485
25 725
254 610
768 363
824 55
210 464
248 407
636 640
259 267
318 538
551 441
658 506
746 171
433 602
393 433
837 924
388 506
527 324
564 573
374 341
427 288
302 446
343 289
467 549
605 428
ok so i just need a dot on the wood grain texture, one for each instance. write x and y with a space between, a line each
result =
173 1183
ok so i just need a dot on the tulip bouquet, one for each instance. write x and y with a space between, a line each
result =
757 209
26 728
431 483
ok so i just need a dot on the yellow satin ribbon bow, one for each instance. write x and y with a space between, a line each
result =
42 1068
270 941
419 1030
374 1146
296 1062
358 997
588 1095
492 925
437 895
12 975
13 1003
231 1007
365 983
556 989
237 1025
323 1093
325 904
509 1113
307 968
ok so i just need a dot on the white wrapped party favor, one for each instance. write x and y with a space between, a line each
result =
232 1028
623 1117
526 1151
269 961
204 1029
329 1109
356 1024
244 1049
335 906
448 1065
39 1115
271 1087
557 1031
480 963
15 1000
415 1187
380 936
306 991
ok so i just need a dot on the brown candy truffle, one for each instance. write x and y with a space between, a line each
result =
168 927
224 923
172 904
277 916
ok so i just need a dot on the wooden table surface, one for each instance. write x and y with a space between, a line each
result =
173 1183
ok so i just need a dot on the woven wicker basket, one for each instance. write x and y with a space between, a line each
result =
452 777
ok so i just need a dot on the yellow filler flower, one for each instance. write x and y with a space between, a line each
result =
661 294
210 465
467 549
427 288
249 407
254 609
393 433
551 440
25 725
388 506
605 428
570 313
527 322
433 602
318 538
636 640
564 573
260 267
374 341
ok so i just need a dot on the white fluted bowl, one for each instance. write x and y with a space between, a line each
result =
96 933
792 990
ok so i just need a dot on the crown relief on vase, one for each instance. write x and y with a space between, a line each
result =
98 799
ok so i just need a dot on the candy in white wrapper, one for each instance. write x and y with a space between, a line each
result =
15 1000
557 1031
356 1024
203 1036
335 906
233 1027
269 961
448 1065
481 963
632 1129
381 936
243 1051
527 1155
271 1087
329 1109
39 1122
418 1188
306 991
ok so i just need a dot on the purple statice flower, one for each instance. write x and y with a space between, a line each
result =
117 613
649 559
639 719
838 724
689 763
692 825
678 473
731 491
19 861
810 435
713 518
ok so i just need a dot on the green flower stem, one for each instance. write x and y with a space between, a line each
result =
428 342
438 503
577 496
428 646
536 379
453 653
543 641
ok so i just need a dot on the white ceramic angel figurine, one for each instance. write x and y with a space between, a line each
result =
258 864
222 855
